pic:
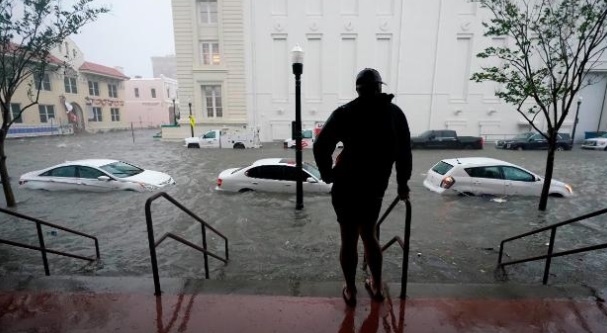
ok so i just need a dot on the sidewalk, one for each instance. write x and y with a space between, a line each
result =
127 305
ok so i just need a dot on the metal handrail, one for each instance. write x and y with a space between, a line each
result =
153 244
550 253
42 248
404 244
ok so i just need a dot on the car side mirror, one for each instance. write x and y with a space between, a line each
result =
538 179
311 180
104 178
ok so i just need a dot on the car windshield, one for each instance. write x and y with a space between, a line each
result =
121 169
312 170
426 134
603 136
522 136
442 168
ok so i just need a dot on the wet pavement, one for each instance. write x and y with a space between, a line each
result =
231 309
454 239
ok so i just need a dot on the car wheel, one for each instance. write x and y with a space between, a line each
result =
468 147
560 148
239 145
244 190
519 148
193 145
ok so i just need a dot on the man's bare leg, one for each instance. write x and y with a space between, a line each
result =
373 253
348 255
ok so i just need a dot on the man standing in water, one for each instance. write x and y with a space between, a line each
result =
362 171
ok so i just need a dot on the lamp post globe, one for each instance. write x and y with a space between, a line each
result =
297 55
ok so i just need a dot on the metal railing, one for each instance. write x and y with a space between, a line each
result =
153 244
403 243
548 256
42 248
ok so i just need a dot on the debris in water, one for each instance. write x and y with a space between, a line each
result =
287 243
499 200
419 254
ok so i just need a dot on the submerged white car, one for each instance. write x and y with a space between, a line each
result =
599 143
272 175
95 175
481 175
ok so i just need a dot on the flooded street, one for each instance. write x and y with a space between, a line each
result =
454 239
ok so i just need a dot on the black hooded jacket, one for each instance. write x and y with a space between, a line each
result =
375 135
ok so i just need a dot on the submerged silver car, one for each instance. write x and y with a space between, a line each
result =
481 175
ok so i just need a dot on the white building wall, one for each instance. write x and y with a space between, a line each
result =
425 51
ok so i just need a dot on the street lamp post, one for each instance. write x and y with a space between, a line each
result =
577 113
297 61
174 113
191 118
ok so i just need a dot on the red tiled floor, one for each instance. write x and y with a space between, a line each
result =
88 312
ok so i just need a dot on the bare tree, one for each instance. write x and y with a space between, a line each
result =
555 44
29 30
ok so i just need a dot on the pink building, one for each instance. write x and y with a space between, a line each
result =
149 102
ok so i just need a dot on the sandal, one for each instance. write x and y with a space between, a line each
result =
376 295
351 300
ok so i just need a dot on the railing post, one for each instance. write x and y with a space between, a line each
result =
499 259
549 258
97 248
43 251
405 272
206 257
148 221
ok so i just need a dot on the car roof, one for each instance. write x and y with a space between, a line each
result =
478 161
274 161
91 162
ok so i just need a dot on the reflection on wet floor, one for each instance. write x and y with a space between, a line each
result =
454 239
90 312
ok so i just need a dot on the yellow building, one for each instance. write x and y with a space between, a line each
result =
82 96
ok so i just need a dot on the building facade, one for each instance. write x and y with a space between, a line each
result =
151 102
209 45
80 96
425 51
164 66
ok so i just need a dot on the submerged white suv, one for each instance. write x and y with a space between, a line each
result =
599 143
481 175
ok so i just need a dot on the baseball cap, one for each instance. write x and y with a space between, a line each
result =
368 76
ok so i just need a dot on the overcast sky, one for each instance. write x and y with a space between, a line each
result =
129 35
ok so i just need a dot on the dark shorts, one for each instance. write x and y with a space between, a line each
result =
354 209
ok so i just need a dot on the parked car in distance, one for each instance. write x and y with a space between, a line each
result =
534 141
224 138
599 143
95 175
481 175
307 140
271 175
445 139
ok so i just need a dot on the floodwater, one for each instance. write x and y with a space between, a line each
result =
454 239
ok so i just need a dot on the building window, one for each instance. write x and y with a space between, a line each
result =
153 93
43 82
15 112
97 115
93 88
113 90
210 53
70 85
47 112
137 92
115 114
207 9
212 96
